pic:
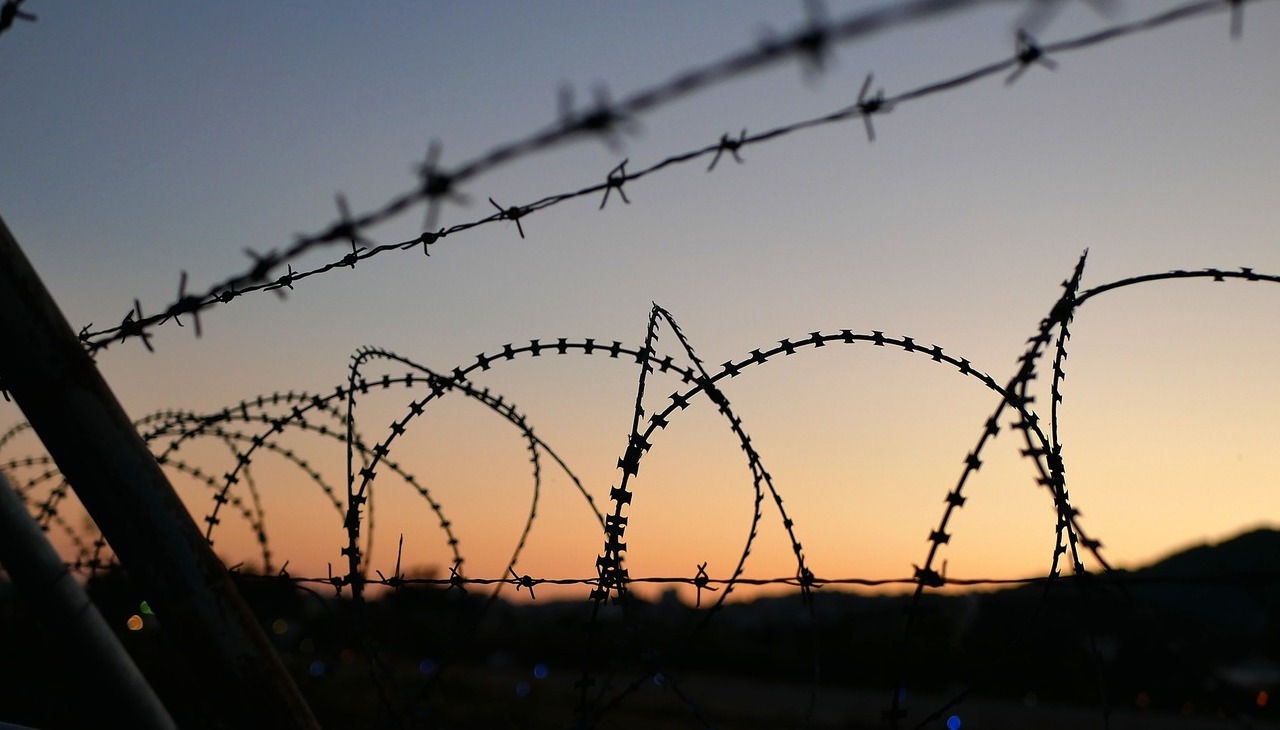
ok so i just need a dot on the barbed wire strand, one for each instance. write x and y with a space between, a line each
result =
1041 450
12 11
810 45
437 184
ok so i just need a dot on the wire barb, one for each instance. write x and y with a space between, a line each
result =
11 11
436 185
455 577
602 118
522 581
346 228
868 105
1027 52
616 179
1237 19
514 213
700 582
185 303
813 43
730 145
131 326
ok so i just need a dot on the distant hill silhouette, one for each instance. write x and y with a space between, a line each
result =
1238 601
1200 627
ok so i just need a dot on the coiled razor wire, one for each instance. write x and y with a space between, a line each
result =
269 423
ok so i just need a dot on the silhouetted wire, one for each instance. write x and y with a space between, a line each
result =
1014 396
11 11
1044 452
440 385
613 578
438 184
1253 578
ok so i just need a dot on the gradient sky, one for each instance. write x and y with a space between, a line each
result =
147 139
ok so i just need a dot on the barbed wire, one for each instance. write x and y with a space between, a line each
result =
614 668
810 44
11 11
701 581
264 422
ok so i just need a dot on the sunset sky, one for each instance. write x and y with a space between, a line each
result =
143 140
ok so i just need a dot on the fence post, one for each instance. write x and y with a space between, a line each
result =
91 439
106 672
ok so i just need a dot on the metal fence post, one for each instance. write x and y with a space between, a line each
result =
91 439
80 632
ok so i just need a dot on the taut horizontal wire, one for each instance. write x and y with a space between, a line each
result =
1115 578
438 184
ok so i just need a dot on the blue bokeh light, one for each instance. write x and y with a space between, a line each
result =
317 668
540 671
522 688
953 722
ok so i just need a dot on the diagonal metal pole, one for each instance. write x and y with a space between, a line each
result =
91 439
105 671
